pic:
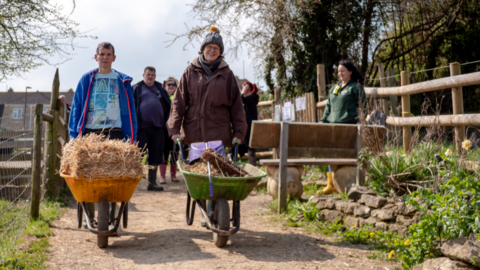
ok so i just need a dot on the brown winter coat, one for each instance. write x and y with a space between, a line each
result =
210 109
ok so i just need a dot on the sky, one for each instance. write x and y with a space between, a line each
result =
138 30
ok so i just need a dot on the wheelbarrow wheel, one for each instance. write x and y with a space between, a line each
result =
125 216
79 215
222 221
102 240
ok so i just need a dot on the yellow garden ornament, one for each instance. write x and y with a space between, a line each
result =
466 144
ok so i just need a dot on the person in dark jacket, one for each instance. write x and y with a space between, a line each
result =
345 96
250 100
152 106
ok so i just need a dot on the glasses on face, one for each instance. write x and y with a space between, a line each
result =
211 48
171 84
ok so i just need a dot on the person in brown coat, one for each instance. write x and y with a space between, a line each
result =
207 105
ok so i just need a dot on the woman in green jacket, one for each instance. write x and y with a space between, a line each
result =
345 96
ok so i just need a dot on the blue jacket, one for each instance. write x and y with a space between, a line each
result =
82 95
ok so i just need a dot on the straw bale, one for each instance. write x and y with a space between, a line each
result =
221 163
95 156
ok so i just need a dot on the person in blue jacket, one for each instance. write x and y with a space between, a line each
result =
103 104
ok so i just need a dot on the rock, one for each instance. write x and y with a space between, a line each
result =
351 221
368 221
372 201
345 206
328 203
385 214
463 248
355 193
405 221
317 198
405 210
382 226
330 215
361 211
400 229
443 263
344 178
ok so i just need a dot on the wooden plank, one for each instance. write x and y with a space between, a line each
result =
296 152
314 135
15 134
7 172
428 86
444 120
50 158
310 162
282 178
263 154
344 136
37 162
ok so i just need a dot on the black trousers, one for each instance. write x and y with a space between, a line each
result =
154 140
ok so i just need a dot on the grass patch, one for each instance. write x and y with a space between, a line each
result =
30 251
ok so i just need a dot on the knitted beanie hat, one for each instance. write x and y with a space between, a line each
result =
213 37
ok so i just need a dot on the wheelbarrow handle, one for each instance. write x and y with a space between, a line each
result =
179 141
235 151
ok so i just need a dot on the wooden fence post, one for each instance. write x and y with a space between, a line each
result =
276 94
51 139
457 103
36 162
321 82
282 166
407 132
392 83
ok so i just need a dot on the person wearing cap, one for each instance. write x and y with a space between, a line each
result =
207 105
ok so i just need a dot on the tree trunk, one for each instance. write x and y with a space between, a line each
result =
366 35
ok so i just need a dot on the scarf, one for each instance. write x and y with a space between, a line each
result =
209 67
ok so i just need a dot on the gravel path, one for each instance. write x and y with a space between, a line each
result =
159 238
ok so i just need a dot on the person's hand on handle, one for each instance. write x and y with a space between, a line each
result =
174 137
236 139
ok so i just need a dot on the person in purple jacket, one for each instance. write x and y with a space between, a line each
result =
103 104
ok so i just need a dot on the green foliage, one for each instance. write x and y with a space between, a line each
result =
35 255
31 32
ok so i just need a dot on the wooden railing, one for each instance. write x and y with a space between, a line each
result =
458 119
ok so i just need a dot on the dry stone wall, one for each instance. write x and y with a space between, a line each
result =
369 209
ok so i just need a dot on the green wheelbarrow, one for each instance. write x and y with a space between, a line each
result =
225 189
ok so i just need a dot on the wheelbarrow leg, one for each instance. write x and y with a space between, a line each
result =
103 217
221 219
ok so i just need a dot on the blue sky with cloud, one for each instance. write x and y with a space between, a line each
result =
138 30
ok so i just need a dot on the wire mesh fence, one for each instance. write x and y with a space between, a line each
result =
15 183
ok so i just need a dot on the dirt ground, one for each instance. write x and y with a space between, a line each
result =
158 237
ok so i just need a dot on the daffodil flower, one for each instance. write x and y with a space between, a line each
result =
390 255
466 144
448 152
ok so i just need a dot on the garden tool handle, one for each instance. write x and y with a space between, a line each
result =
179 141
235 151
210 181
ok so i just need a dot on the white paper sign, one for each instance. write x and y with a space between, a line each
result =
300 104
287 111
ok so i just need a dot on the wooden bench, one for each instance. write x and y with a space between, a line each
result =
335 144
